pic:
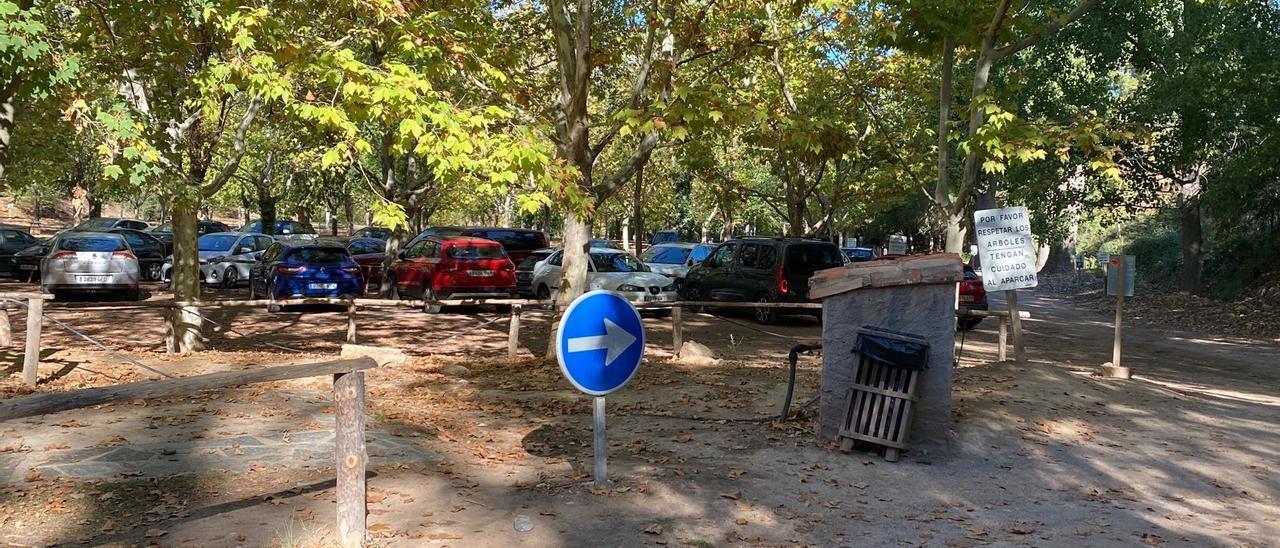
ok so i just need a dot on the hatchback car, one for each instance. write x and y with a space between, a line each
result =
369 254
973 296
611 269
292 269
13 241
225 257
675 259
284 229
164 231
443 267
90 262
764 270
379 232
148 250
26 263
525 268
518 242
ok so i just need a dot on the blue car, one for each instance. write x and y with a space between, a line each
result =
305 269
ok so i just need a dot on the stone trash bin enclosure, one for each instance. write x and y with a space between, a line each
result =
916 295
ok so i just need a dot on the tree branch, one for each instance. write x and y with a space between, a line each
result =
239 147
1049 29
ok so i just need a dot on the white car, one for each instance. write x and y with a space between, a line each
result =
225 257
611 269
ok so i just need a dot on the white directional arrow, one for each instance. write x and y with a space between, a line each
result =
615 340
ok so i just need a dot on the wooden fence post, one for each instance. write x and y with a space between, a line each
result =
6 330
351 322
677 329
350 458
31 361
513 333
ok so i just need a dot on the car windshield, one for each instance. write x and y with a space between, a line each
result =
666 254
163 227
92 243
617 262
95 224
374 232
321 255
216 242
810 258
477 252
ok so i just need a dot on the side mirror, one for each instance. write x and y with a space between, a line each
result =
400 255
242 250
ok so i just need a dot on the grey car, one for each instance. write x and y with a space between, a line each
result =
674 259
225 257
90 262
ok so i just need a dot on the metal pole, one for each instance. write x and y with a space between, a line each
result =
602 475
1121 285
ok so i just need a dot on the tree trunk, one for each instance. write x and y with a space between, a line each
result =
184 324
394 243
637 211
8 117
577 235
267 212
1192 237
956 232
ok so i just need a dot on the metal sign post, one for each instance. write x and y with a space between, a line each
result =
601 444
599 346
1121 272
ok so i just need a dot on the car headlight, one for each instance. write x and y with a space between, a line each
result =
629 287
671 287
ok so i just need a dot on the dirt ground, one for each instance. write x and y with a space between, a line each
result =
1041 454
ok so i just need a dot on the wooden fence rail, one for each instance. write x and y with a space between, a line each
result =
349 419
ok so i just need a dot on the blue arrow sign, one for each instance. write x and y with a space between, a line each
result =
600 342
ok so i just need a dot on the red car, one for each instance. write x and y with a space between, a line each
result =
445 267
972 297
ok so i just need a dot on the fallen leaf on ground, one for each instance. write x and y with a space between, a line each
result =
654 529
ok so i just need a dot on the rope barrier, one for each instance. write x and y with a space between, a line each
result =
110 351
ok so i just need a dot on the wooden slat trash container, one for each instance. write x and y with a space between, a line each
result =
879 399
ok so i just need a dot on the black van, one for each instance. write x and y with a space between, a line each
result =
763 270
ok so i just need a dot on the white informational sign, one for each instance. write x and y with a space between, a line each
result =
1004 245
1104 258
897 244
1130 273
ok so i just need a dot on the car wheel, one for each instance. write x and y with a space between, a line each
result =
428 296
544 294
966 324
154 272
230 277
765 316
694 294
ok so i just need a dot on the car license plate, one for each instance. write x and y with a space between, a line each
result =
481 273
93 279
653 298
966 298
323 286
27 267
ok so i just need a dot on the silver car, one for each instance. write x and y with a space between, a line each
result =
674 259
95 262
225 257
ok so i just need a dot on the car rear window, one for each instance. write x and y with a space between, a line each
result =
666 254
294 227
519 240
92 243
320 255
362 247
216 242
810 258
529 262
477 252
